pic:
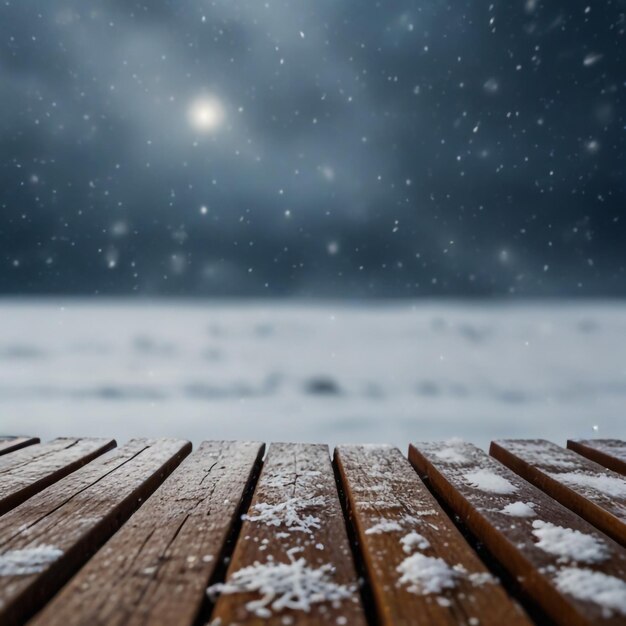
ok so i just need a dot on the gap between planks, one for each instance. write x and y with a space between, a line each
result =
402 531
27 471
10 444
45 540
610 453
294 527
593 492
522 528
156 568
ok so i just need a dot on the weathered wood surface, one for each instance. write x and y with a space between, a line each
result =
27 471
560 560
402 530
10 444
596 494
294 539
155 570
610 453
47 538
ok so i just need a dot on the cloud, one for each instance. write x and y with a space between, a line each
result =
326 111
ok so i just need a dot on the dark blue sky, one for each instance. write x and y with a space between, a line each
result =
322 148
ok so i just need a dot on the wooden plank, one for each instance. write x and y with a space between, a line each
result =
406 537
292 563
596 494
10 444
610 453
47 538
30 470
574 572
155 570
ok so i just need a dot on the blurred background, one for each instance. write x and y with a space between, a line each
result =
321 221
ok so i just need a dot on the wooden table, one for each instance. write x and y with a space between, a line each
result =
153 533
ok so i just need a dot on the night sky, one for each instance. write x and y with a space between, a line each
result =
313 148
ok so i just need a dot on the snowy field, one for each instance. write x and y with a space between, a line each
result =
300 372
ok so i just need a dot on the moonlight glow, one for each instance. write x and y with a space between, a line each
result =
206 114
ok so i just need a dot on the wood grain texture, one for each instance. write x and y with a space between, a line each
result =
10 444
71 519
30 470
610 453
388 504
154 571
300 476
596 494
478 488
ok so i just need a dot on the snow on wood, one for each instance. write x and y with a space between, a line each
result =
78 514
425 574
613 486
569 544
289 513
519 509
417 561
591 491
292 555
293 585
453 452
608 592
155 569
533 548
28 560
414 540
609 453
384 526
489 481
539 452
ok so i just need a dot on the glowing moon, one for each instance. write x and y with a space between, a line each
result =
206 114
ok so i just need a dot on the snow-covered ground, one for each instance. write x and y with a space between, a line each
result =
331 372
